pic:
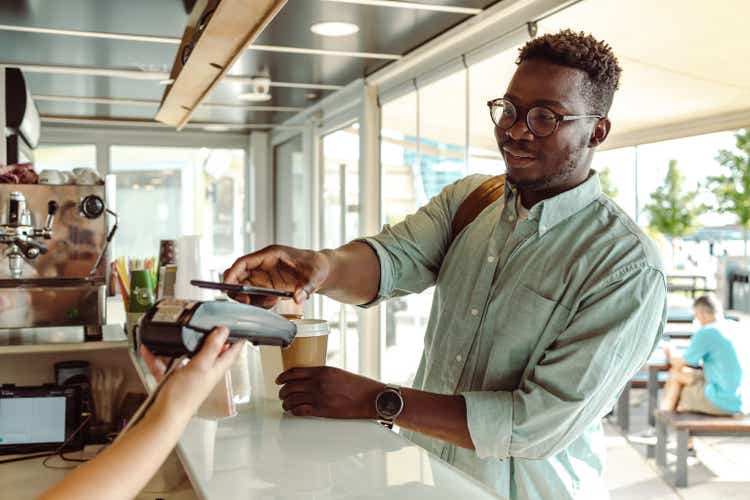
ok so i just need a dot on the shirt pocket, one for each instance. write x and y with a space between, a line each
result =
525 323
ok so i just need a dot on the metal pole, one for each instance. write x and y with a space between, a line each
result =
3 142
370 220
342 239
635 180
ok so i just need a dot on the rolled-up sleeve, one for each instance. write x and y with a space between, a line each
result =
411 252
612 333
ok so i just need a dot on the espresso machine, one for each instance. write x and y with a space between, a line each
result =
54 242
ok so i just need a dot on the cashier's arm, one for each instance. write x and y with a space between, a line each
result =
123 469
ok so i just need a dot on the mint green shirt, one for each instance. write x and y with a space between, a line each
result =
537 322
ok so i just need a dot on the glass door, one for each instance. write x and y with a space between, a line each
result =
340 224
291 194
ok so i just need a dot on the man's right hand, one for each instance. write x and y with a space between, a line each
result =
302 272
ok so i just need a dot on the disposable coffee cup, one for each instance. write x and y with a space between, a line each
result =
309 347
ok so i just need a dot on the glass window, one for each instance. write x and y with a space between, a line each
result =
696 157
442 134
340 213
292 194
617 167
402 193
488 79
163 193
64 157
398 158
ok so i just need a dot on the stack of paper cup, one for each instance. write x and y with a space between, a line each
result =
240 374
189 267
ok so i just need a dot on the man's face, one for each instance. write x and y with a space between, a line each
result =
560 159
702 316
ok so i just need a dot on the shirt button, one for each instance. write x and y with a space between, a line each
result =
542 228
459 358
491 259
475 312
510 218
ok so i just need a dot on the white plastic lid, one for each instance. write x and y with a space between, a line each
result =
311 327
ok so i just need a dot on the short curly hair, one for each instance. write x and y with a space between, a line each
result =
584 52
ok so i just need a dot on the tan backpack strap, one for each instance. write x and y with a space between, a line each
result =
479 199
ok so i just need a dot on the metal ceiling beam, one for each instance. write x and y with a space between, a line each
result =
412 6
176 41
158 76
131 122
325 52
492 25
151 103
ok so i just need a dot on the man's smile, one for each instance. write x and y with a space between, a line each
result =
517 158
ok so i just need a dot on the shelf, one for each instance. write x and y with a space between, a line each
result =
70 339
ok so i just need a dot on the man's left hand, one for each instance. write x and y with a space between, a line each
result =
324 391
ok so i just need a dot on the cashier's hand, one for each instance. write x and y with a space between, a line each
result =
191 383
282 268
329 392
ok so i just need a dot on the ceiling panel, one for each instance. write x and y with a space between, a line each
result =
92 86
679 68
382 30
99 110
54 49
300 68
122 88
205 114
148 17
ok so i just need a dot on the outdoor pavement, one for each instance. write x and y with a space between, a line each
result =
719 471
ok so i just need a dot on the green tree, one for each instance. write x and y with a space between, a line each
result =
732 190
673 210
608 186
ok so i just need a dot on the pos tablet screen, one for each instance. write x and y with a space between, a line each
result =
34 419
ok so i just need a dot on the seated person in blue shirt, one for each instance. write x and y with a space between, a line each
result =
719 347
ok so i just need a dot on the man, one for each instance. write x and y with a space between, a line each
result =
723 352
544 306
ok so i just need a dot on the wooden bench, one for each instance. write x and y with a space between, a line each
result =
692 424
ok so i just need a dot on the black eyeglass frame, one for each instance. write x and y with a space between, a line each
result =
558 116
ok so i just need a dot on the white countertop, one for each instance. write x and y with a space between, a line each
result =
264 454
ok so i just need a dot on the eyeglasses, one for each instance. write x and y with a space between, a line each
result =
540 120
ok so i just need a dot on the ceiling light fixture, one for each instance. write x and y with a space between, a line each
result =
215 127
334 29
260 90
254 97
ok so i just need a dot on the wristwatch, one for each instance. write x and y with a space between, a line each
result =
388 405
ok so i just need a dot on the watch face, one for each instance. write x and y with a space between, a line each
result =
389 404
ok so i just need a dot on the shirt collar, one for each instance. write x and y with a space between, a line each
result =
552 211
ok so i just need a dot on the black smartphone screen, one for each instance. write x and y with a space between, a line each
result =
246 289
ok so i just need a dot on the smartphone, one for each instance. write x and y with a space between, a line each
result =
246 289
